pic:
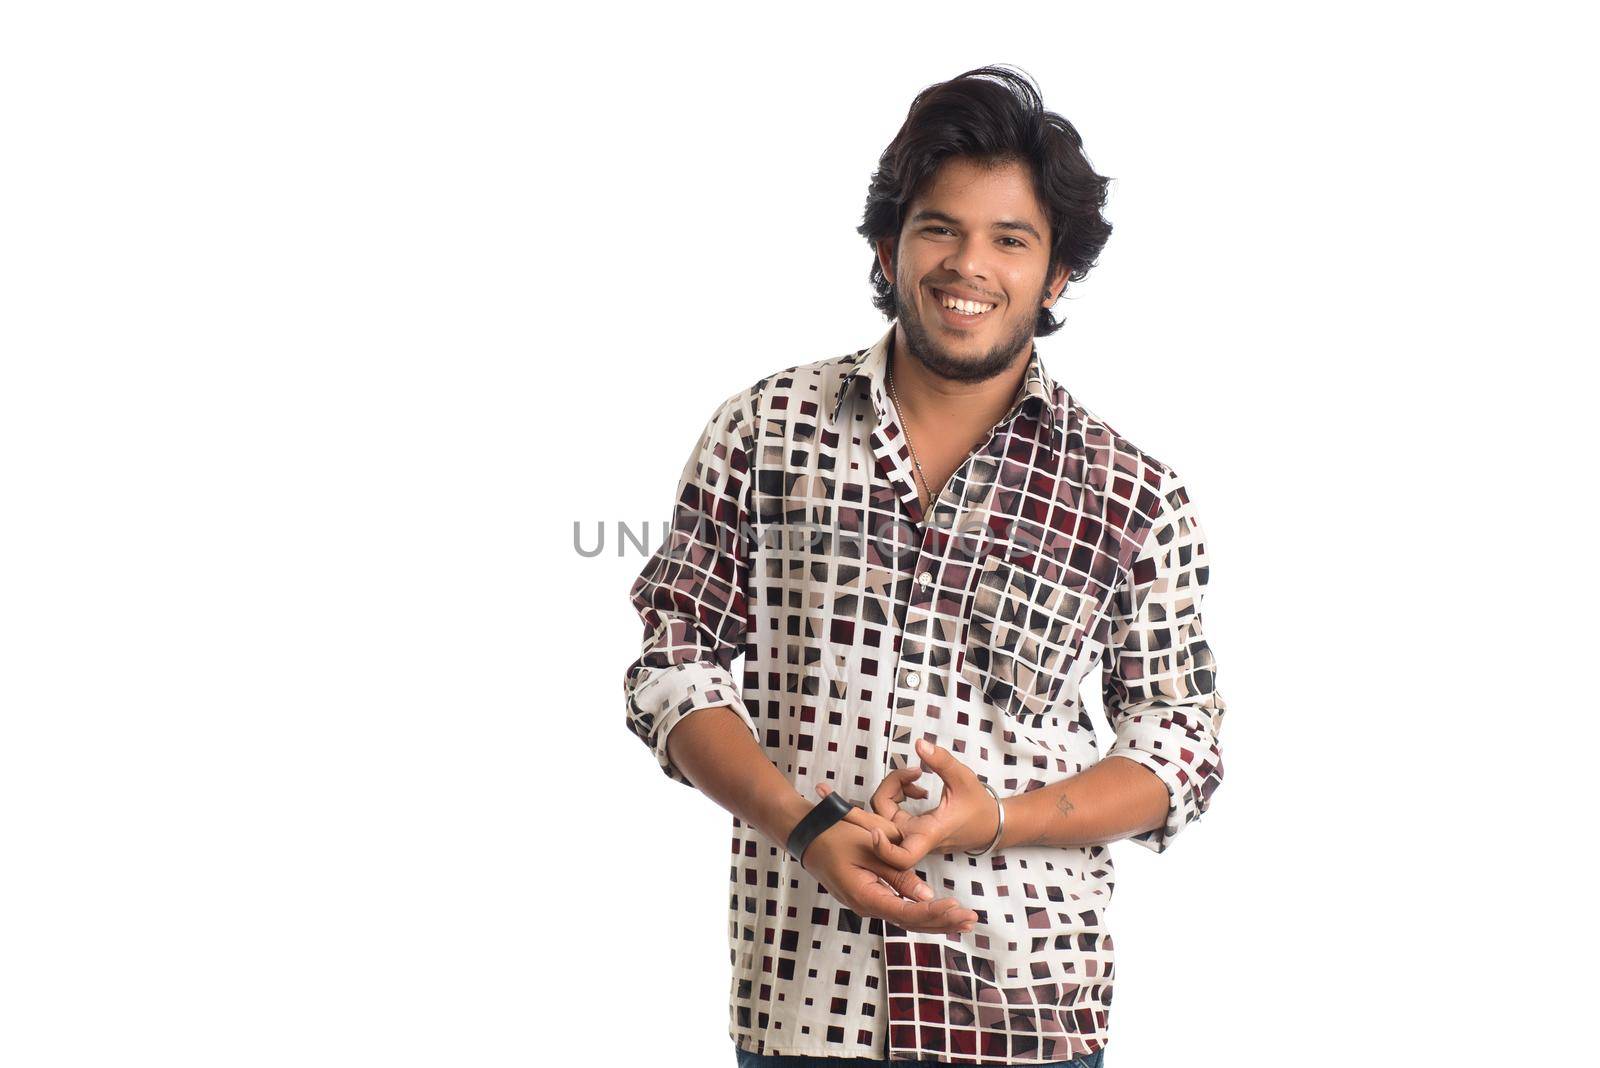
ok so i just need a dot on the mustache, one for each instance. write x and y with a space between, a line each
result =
946 289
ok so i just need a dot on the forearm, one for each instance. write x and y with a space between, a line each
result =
715 751
1109 800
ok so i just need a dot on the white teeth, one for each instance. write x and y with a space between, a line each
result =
966 307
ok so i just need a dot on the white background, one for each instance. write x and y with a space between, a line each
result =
323 324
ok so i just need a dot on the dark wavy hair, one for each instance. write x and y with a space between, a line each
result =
993 115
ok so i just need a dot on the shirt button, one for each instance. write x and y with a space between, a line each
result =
924 580
912 678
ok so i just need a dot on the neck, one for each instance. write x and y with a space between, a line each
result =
933 399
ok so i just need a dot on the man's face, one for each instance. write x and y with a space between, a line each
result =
974 233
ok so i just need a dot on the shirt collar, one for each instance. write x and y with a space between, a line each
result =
1038 391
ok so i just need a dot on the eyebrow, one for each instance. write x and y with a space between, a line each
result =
1002 224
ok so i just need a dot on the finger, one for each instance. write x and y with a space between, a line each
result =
861 817
891 791
942 916
946 916
958 920
954 920
871 822
884 797
887 828
909 788
867 821
907 883
911 849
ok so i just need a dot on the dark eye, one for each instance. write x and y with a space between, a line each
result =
1020 244
931 229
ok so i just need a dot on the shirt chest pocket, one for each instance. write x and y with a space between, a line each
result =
1023 633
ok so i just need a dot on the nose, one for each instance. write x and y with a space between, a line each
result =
967 259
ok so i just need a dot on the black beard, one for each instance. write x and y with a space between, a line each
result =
939 360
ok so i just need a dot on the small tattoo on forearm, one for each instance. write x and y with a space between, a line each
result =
1063 806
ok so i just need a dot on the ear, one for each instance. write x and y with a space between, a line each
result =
885 247
1058 282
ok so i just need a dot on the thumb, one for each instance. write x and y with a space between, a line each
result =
936 757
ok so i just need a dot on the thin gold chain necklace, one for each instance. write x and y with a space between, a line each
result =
907 432
904 429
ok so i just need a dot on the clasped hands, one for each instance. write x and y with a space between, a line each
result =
866 858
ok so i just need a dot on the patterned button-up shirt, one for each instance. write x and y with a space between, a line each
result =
799 542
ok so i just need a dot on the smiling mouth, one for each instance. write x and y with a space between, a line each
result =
961 310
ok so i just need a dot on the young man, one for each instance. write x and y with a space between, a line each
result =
922 549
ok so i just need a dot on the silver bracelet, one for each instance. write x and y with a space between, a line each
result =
998 831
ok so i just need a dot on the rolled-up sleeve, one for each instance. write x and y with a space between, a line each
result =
1160 678
693 592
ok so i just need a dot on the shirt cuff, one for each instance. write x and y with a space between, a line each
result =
666 695
1180 808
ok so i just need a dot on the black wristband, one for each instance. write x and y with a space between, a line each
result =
823 814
